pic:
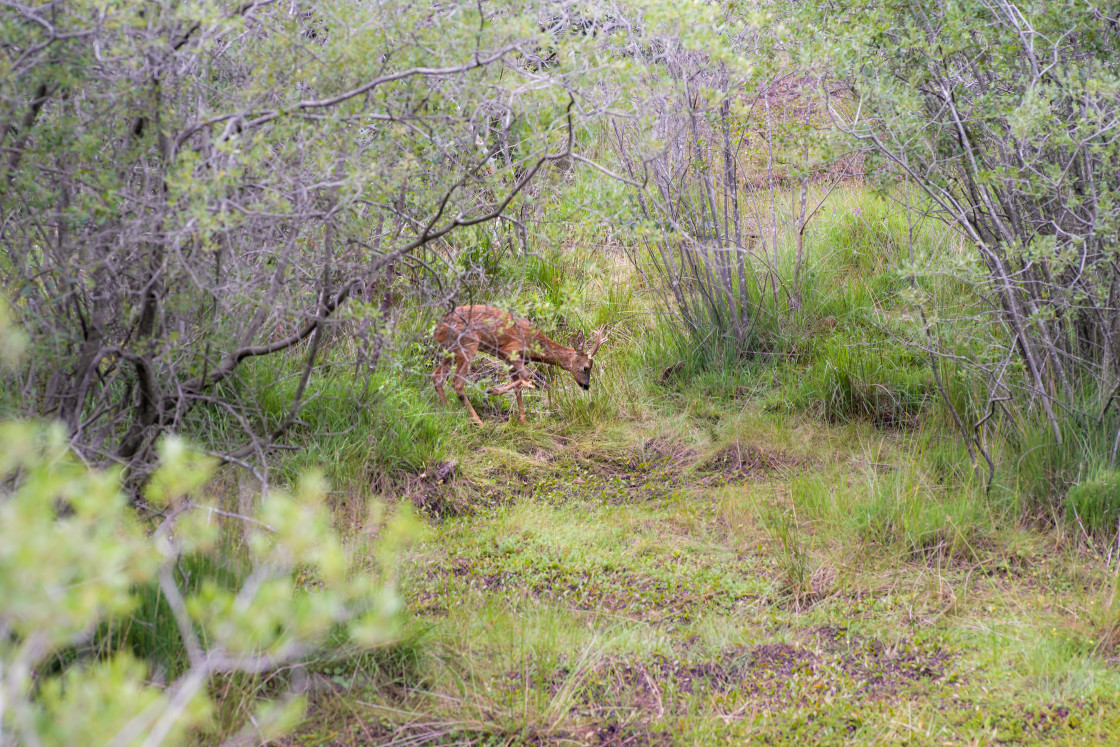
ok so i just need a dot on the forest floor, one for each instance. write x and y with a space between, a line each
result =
714 573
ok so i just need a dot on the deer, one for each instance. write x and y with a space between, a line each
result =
466 330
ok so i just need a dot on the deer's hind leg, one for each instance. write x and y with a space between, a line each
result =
440 375
459 381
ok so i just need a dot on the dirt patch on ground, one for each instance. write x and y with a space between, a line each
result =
651 470
610 734
741 462
614 592
880 667
768 675
614 489
352 731
1046 719
442 490
358 731
429 490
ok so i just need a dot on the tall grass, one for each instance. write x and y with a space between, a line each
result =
859 377
829 343
878 289
1068 481
354 425
900 512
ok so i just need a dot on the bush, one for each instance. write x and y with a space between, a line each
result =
1039 245
905 514
882 383
1095 502
77 564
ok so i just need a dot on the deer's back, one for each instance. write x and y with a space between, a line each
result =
490 328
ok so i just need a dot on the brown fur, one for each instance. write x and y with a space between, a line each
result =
470 329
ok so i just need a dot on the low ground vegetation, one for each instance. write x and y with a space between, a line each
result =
626 585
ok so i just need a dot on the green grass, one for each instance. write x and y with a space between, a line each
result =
1094 502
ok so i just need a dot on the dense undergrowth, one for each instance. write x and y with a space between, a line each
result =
854 349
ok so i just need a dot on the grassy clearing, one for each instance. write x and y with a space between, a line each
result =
784 548
647 585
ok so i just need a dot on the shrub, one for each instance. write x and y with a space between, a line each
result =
1095 501
75 559
881 383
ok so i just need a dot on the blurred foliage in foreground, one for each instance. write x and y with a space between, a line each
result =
74 559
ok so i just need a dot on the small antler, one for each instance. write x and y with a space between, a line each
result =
578 343
597 342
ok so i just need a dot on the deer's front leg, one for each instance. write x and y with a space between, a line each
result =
520 379
520 405
525 380
515 385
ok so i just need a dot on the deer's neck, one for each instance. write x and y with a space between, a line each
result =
552 353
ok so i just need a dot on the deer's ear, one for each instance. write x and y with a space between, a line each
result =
579 341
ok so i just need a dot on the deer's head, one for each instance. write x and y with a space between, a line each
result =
584 352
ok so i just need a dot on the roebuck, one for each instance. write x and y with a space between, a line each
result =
468 329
